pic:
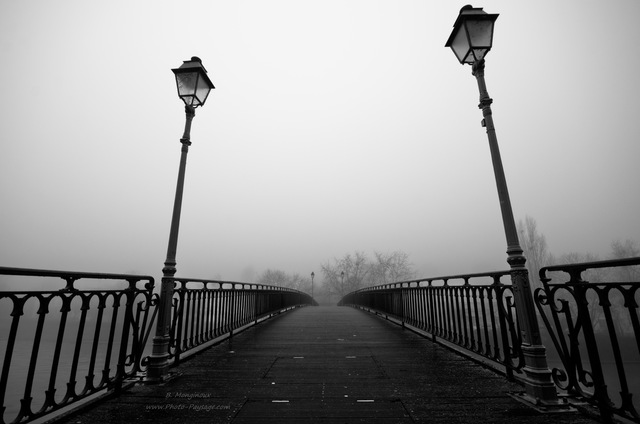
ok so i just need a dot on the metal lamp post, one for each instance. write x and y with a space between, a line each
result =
470 41
193 88
312 275
342 282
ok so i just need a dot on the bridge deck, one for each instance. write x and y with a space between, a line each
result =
325 365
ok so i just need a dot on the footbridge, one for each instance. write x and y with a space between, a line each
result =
87 347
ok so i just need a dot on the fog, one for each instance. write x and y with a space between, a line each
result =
335 126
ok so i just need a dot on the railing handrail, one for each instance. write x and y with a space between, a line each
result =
575 269
445 279
245 286
33 272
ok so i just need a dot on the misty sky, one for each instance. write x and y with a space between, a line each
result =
335 126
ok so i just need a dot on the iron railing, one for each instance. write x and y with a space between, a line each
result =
205 310
64 343
592 318
57 339
474 312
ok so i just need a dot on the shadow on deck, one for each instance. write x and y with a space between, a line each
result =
324 365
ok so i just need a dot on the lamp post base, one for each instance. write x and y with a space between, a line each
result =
561 406
158 361
165 378
158 368
540 391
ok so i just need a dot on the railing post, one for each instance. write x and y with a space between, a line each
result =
431 293
402 306
179 320
600 387
504 330
129 295
255 305
232 314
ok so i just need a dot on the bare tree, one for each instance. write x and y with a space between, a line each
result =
298 282
390 268
274 277
594 276
346 274
534 245
596 299
622 250
619 307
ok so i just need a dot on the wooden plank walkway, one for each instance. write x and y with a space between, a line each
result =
324 365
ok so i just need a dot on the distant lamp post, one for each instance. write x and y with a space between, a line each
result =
342 282
312 275
471 40
193 88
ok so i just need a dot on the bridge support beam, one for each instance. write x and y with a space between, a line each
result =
540 389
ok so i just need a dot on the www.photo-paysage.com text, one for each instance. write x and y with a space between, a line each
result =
185 407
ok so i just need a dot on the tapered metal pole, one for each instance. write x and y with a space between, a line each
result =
159 359
538 383
312 275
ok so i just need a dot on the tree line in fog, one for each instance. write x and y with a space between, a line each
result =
348 273
353 271
538 255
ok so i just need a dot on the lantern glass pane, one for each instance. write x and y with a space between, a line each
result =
480 33
202 90
460 44
190 101
187 83
479 53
